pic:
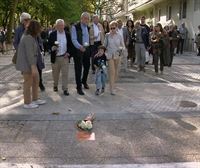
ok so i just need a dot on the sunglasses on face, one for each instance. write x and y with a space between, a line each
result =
112 28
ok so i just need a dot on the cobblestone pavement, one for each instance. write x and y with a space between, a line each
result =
152 120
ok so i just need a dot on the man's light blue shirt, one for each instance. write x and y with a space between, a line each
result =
85 37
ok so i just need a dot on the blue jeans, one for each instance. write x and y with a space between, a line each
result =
101 77
140 54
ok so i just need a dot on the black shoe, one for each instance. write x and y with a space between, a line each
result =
42 88
143 69
55 88
80 92
102 91
66 93
86 86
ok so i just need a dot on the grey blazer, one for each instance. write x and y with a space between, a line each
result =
26 53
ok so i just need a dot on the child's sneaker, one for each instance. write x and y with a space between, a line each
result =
97 92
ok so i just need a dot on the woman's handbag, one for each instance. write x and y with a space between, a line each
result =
147 57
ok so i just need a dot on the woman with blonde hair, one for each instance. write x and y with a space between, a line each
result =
114 45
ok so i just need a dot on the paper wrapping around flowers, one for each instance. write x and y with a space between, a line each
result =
85 136
85 127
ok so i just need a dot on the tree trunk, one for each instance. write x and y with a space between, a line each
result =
13 5
5 18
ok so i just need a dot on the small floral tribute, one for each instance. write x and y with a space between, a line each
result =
86 124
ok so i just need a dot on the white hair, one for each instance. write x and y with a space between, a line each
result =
85 14
95 16
24 16
60 21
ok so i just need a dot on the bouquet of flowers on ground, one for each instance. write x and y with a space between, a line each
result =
86 124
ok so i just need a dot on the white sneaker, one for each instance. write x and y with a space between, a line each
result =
30 106
39 102
112 93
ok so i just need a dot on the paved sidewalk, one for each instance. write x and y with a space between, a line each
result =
165 165
151 120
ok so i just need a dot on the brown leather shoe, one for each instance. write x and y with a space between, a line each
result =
86 86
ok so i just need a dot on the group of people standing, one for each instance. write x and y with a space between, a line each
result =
82 42
142 41
101 45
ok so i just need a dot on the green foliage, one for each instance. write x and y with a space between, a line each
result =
46 11
4 12
67 10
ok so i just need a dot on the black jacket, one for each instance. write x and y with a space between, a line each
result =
145 37
53 38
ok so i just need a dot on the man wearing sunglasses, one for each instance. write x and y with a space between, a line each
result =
141 45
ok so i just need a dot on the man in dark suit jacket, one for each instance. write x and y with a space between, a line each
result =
60 45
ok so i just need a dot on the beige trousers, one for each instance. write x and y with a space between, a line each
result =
113 66
31 84
61 64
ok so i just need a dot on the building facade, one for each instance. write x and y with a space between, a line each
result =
166 12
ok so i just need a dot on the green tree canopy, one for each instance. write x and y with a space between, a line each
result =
46 11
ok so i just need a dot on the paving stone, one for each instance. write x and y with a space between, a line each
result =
8 134
35 125
61 125
31 136
60 136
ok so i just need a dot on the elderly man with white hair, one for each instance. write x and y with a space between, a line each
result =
60 45
81 41
96 37
24 22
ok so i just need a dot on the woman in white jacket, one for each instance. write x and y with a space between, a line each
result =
114 46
